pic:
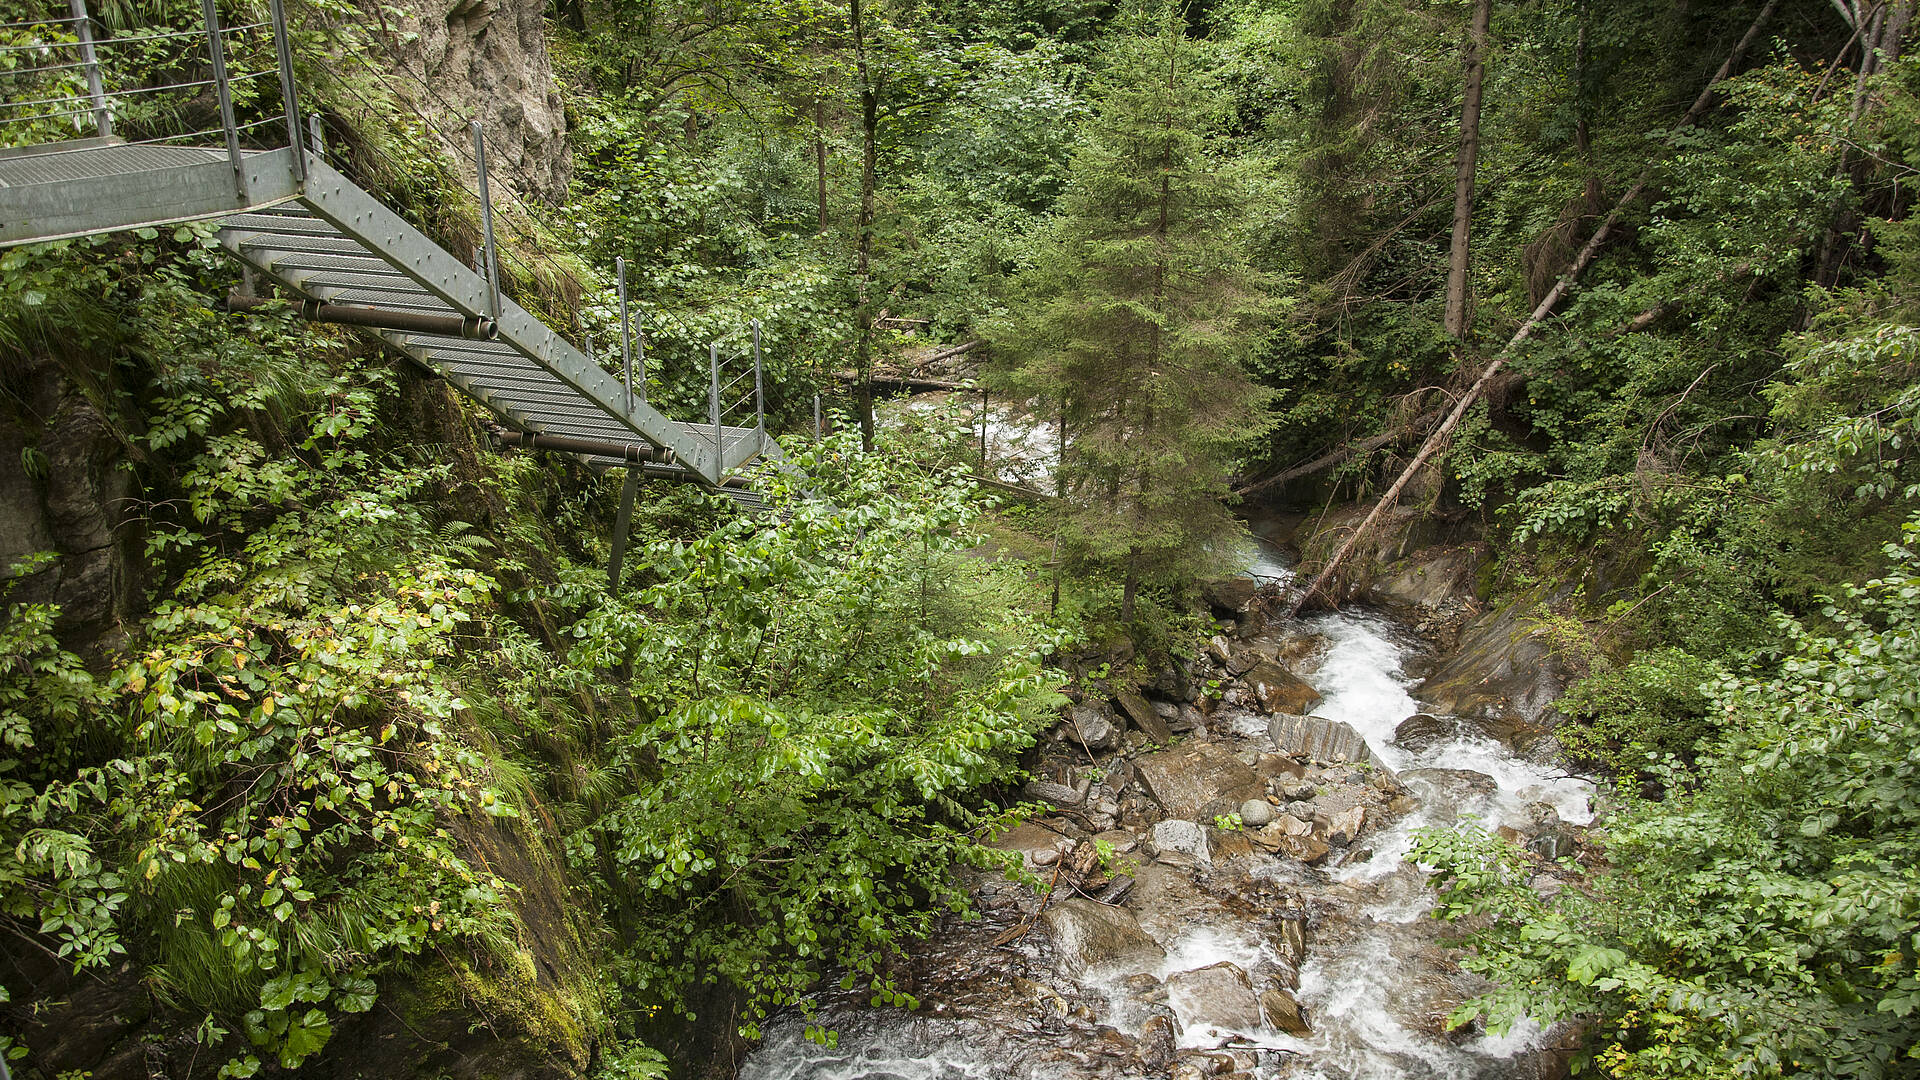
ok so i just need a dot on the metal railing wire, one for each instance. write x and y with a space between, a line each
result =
136 91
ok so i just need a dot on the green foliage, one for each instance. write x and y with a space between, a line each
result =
813 704
1139 312
1760 920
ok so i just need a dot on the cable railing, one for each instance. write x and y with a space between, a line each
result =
70 86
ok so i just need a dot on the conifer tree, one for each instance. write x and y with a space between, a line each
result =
1139 314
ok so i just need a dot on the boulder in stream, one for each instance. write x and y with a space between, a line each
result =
1230 596
1280 690
1284 1013
1216 996
1318 738
1088 936
1184 781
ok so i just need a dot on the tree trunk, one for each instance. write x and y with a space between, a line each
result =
1552 300
863 245
820 160
1132 588
1458 263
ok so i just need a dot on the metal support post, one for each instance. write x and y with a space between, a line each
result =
713 406
640 364
620 523
317 136
223 90
283 51
626 328
486 221
817 435
983 431
759 400
83 25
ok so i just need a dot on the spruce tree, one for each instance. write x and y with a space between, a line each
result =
1139 313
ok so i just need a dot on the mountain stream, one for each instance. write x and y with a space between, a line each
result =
1156 979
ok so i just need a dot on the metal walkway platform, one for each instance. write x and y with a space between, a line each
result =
323 239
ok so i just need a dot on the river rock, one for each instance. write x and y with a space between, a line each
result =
1030 841
1157 1044
1185 837
1428 578
1049 792
1218 996
1503 668
1143 716
1184 781
1255 813
1451 790
1343 828
1095 726
1293 941
1230 596
1225 845
1423 730
1318 738
1280 690
1284 1013
1292 837
1087 935
1553 843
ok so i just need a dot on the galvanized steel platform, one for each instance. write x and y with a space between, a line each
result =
321 238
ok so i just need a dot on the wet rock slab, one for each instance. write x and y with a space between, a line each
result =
1185 781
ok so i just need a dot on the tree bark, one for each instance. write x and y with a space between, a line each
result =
1459 260
1552 300
820 160
863 245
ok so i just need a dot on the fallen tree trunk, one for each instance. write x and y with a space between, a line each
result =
1552 300
947 354
1319 464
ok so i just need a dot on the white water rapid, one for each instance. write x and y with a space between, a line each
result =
1376 976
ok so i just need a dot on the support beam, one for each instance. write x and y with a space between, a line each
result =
620 521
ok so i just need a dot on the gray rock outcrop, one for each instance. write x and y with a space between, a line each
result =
1217 996
1088 936
1187 780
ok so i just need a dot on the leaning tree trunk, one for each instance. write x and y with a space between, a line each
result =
863 244
1463 181
1552 300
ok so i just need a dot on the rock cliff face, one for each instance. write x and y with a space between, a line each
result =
63 489
487 60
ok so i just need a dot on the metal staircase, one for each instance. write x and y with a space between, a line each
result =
340 255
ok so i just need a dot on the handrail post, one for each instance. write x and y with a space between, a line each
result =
816 418
97 90
283 52
223 90
486 221
984 415
317 136
713 407
626 333
640 363
759 401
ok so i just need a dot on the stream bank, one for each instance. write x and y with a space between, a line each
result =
1219 888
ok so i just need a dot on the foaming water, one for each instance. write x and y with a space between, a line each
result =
1361 679
1376 985
913 1050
